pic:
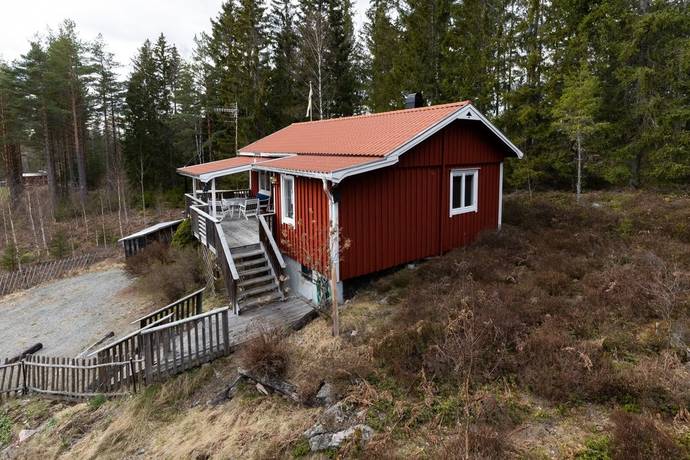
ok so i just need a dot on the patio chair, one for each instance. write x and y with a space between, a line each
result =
263 206
228 206
249 208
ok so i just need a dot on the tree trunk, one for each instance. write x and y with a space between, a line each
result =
78 150
49 159
579 167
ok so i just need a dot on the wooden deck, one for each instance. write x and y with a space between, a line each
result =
240 232
293 312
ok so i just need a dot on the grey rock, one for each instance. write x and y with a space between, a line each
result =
326 395
323 441
26 434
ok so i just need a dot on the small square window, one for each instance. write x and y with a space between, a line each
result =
464 187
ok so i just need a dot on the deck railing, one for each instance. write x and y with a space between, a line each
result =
273 254
209 232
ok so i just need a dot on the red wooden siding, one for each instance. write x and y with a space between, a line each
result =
307 241
254 182
402 213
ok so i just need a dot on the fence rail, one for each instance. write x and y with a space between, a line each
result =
185 307
33 275
69 377
173 348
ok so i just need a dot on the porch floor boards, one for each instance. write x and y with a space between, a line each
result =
241 232
293 313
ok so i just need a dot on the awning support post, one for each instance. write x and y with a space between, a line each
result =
213 197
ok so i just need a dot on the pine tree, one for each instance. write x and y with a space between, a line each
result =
285 101
341 87
575 114
425 28
382 42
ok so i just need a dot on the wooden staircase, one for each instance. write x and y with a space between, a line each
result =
258 282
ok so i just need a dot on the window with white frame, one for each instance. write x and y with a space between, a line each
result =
264 183
287 199
464 187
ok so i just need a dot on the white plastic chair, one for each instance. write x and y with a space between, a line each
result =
249 208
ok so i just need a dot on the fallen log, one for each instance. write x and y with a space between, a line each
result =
264 382
228 393
29 351
279 386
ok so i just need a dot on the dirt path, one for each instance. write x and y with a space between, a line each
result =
69 314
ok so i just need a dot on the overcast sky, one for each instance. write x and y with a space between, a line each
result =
125 24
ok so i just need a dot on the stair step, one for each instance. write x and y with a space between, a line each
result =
254 271
257 280
258 290
248 254
276 295
250 263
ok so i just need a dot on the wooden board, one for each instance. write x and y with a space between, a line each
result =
240 232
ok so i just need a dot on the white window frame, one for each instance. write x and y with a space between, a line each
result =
265 191
284 217
474 207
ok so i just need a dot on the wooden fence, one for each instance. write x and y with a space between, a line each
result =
11 379
69 377
185 307
173 348
33 275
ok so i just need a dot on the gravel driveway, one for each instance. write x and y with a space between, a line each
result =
68 315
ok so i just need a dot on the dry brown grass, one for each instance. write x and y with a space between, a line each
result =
267 354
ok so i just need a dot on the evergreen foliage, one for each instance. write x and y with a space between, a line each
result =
612 76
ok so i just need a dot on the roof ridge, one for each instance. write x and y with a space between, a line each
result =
390 112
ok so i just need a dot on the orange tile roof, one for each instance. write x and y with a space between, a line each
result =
368 135
219 165
319 164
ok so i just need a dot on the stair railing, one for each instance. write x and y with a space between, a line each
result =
210 233
273 253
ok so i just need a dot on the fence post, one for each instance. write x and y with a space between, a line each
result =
226 332
199 300
148 358
23 369
132 376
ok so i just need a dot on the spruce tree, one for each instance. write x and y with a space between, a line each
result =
382 42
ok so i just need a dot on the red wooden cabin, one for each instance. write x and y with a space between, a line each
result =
398 186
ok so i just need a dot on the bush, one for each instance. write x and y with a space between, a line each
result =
9 258
596 448
267 354
166 272
5 429
181 274
59 247
637 437
555 366
183 235
142 262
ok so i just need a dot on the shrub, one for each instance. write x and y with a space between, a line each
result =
637 437
596 448
179 275
97 401
5 429
267 354
555 366
142 262
485 443
9 258
183 235
59 247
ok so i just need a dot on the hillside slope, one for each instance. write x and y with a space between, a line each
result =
563 336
